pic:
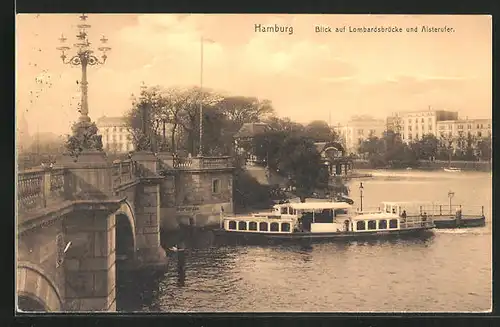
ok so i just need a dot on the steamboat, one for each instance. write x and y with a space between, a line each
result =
326 221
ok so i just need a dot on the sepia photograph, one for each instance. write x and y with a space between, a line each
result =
253 163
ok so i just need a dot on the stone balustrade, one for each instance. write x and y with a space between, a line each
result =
123 172
202 163
37 188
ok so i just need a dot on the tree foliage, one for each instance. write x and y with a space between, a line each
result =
319 131
178 109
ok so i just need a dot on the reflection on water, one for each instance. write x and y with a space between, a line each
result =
450 271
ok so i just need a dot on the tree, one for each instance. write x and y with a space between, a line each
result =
144 118
266 147
285 125
428 147
445 147
240 109
319 131
484 148
301 163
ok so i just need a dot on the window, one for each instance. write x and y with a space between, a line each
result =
382 224
477 126
416 136
252 225
114 129
360 132
393 223
409 128
372 224
409 121
121 129
285 227
489 125
469 126
242 225
430 127
422 120
410 137
216 186
479 133
274 227
360 225
232 225
263 226
120 137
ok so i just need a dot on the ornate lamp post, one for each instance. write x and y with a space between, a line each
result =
84 57
84 132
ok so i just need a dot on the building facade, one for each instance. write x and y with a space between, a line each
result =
115 135
357 130
413 125
477 128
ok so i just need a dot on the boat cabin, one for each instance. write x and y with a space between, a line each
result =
408 208
317 217
381 221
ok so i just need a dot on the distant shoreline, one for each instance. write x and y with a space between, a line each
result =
480 166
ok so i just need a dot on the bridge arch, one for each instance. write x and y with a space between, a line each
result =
36 291
125 230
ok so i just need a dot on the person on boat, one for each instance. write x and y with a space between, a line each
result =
403 215
394 211
424 216
458 214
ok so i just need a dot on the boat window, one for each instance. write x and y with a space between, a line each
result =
284 210
263 226
285 227
252 225
324 216
382 224
274 227
242 225
232 224
360 225
393 223
372 224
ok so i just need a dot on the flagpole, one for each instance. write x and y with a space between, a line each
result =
200 151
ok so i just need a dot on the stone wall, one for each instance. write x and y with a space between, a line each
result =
189 194
38 268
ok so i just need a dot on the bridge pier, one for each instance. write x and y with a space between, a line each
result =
149 253
90 268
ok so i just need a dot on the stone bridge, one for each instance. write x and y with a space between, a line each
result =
80 220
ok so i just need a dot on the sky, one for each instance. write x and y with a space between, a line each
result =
307 75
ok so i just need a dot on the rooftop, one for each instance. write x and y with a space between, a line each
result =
111 121
251 129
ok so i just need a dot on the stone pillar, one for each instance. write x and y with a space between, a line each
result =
149 252
89 177
89 264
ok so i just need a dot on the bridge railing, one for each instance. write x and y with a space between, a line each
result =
38 188
123 172
202 163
